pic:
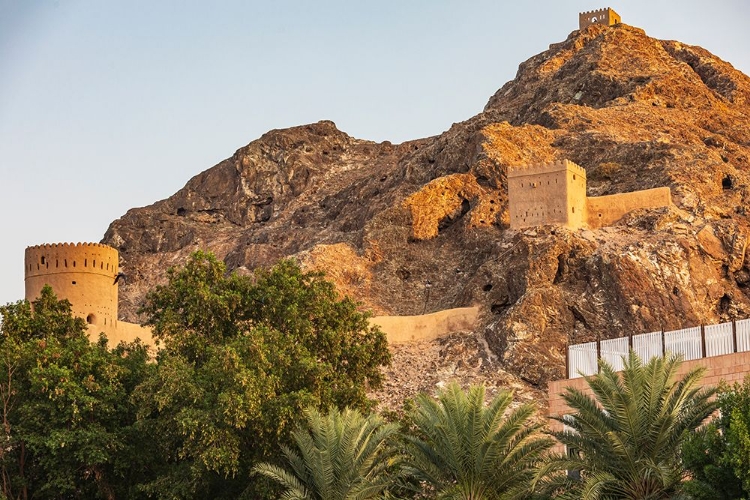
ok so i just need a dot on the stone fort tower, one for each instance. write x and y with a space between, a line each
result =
84 274
607 17
547 194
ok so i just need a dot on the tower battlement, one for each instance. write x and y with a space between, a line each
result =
607 17
558 166
54 258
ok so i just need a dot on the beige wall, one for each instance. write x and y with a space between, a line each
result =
123 332
729 367
427 326
606 210
575 195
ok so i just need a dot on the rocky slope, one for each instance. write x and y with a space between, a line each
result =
385 219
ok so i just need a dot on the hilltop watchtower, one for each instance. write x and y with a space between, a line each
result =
84 274
607 17
547 194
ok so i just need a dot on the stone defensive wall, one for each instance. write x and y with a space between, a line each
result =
606 210
400 329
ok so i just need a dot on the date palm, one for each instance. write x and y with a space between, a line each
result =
464 449
340 455
626 436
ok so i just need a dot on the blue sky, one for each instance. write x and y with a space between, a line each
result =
110 105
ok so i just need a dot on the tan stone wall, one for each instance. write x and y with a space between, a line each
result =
427 326
729 367
123 332
83 273
575 195
607 17
606 210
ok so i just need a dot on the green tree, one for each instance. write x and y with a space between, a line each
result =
466 450
242 357
341 455
718 455
67 419
625 437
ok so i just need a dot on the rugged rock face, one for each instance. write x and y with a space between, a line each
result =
383 219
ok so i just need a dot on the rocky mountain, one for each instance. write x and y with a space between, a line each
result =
384 220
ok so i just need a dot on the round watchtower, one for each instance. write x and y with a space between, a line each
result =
83 273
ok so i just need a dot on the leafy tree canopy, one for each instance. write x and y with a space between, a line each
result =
242 357
67 421
718 455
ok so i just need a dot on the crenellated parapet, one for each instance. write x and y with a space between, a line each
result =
606 17
534 169
54 258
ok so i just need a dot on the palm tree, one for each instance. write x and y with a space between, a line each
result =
625 439
465 450
341 455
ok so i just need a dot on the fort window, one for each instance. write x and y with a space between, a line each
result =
574 176
85 262
74 263
57 263
66 262
91 319
93 264
573 209
74 282
42 259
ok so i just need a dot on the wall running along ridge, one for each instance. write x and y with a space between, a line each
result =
556 194
400 329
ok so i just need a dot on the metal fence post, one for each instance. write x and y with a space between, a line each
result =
734 336
703 340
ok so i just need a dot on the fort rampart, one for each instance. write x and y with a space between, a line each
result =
606 210
400 329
